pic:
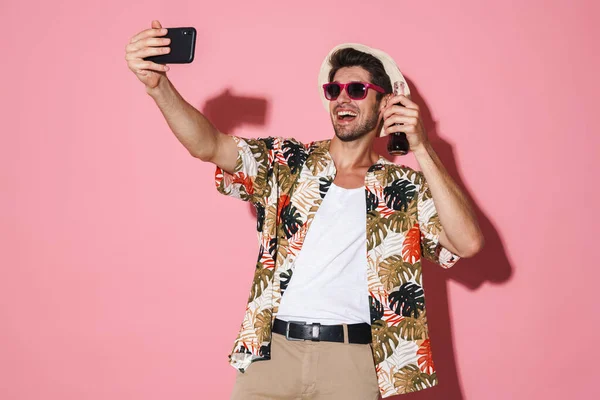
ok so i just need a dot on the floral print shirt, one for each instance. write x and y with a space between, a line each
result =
286 181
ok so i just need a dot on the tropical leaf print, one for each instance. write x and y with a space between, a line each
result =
402 221
324 184
295 154
317 160
261 155
273 247
384 174
414 328
434 225
296 241
376 168
428 380
394 271
265 350
408 300
270 224
306 195
411 248
260 216
425 191
425 360
245 182
391 317
262 277
375 308
404 354
372 201
399 194
262 325
282 249
282 202
259 149
268 186
269 142
291 219
265 258
410 379
285 278
418 270
385 339
428 248
414 176
239 164
375 229
286 179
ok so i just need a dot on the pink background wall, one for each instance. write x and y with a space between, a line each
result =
117 253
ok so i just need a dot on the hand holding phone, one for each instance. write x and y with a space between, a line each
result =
154 43
182 46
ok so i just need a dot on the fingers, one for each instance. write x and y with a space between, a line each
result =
406 128
405 101
145 44
147 52
396 119
148 42
153 32
393 109
140 67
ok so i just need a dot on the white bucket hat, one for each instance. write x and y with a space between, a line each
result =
392 70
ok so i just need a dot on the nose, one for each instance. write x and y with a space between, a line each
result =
343 98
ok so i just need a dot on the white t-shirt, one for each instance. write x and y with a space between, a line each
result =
329 283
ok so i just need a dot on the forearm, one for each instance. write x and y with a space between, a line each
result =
456 214
190 127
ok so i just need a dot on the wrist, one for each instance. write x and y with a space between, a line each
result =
423 150
159 89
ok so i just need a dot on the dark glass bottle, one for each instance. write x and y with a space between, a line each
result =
397 142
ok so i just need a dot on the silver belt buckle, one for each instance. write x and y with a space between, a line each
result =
287 330
316 331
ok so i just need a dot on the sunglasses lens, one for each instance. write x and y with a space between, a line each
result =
332 91
357 90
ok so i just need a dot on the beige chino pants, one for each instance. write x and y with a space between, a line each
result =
310 370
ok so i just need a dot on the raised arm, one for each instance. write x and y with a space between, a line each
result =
197 134
460 231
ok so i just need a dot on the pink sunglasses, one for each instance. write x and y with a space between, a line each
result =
355 90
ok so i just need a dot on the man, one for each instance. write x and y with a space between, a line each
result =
352 323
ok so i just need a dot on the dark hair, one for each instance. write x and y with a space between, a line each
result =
349 57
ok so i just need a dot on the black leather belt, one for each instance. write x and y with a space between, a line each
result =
297 330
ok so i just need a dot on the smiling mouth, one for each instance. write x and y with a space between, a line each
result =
346 115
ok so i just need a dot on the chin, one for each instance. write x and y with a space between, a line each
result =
348 136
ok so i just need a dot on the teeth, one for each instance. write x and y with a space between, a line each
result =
343 113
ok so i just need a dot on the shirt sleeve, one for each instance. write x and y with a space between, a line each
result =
430 227
254 166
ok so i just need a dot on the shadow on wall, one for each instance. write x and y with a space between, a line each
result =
228 112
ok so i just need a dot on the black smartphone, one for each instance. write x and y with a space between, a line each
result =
183 44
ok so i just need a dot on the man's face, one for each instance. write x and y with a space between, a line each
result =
367 109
